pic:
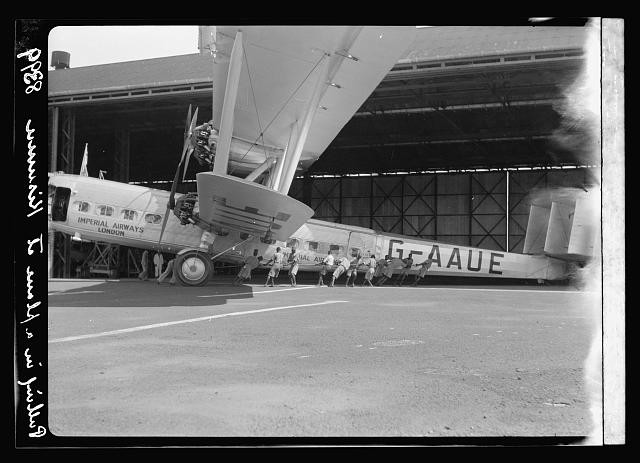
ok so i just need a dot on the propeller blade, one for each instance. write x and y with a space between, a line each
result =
187 149
186 125
171 203
193 122
164 224
186 163
189 126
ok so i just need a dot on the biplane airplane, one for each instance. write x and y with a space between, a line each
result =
281 95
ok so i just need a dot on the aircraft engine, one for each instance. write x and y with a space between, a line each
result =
204 145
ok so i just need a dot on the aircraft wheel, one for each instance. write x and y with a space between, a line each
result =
193 268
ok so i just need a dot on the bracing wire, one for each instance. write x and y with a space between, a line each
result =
281 109
253 95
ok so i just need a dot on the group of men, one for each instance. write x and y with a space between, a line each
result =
158 264
376 273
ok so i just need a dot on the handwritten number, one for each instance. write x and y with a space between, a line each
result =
34 78
37 86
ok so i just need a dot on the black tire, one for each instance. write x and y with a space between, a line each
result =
192 268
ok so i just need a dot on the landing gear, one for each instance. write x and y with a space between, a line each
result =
193 267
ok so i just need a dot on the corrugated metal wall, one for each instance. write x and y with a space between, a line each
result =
461 208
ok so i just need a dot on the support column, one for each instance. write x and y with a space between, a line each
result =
53 167
507 212
435 204
67 165
371 211
53 148
340 199
307 185
68 139
470 209
402 211
122 155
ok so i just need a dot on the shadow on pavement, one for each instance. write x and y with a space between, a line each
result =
135 293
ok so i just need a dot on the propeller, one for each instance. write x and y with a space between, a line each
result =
188 130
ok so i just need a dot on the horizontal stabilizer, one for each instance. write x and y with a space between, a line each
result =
233 203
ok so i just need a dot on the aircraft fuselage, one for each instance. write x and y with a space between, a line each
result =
131 215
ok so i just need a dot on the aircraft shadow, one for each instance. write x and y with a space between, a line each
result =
135 293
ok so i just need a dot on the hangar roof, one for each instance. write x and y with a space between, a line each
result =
432 43
172 70
436 109
453 42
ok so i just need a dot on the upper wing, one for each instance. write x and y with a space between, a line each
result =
277 82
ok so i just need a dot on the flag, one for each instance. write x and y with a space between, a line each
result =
85 160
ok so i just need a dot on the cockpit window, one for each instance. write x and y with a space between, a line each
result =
60 203
105 210
128 214
292 243
153 218
81 206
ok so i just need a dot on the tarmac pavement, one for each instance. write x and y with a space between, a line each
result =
133 358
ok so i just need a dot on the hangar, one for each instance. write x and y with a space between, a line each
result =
447 147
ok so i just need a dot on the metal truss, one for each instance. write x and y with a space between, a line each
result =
513 205
104 258
488 193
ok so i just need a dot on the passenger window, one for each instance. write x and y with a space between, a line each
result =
128 214
336 250
312 246
105 210
355 252
323 248
81 206
153 218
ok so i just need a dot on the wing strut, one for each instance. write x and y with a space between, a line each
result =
260 169
233 247
276 172
221 161
291 158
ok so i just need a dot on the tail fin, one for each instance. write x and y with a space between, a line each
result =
562 224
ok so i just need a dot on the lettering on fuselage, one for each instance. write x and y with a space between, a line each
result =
116 228
454 260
